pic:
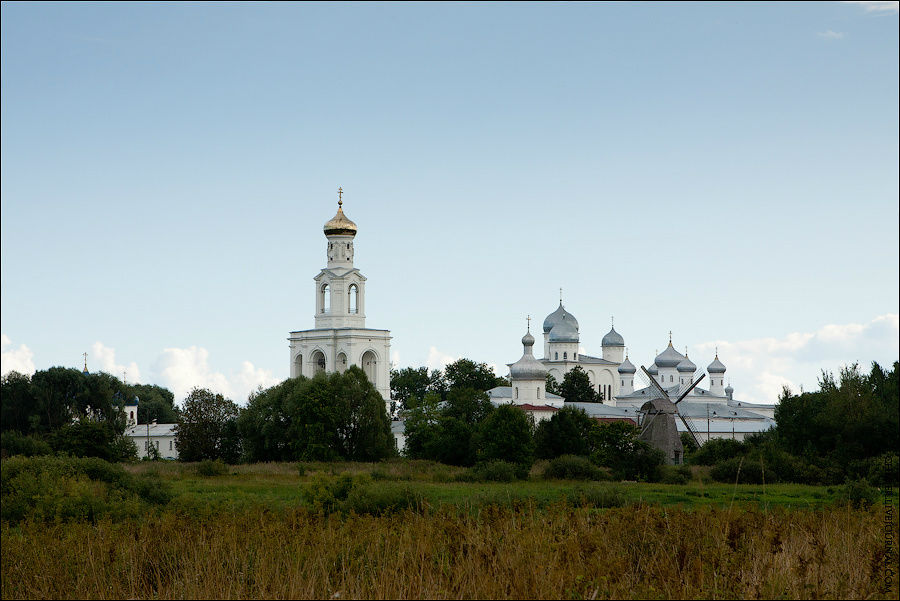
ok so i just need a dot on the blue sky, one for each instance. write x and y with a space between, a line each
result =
725 171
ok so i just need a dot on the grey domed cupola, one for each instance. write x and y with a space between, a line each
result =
627 367
686 365
716 367
729 391
669 357
558 315
613 338
564 331
528 368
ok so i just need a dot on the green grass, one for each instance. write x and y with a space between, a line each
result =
280 486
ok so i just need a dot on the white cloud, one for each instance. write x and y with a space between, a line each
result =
831 35
877 6
182 369
20 359
437 359
760 367
105 359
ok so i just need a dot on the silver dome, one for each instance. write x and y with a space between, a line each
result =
716 367
686 366
627 367
527 368
613 338
668 358
557 316
564 331
653 370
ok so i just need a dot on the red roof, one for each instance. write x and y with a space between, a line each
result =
528 407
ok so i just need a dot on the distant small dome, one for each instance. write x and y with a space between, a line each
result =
557 316
716 367
613 338
564 331
686 366
527 368
653 370
668 358
339 224
729 389
627 367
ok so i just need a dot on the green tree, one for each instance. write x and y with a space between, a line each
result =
421 426
265 425
552 385
567 432
507 434
576 387
17 404
465 373
155 403
617 445
203 427
409 383
467 405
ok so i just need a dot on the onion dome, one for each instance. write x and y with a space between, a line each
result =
613 338
557 316
716 367
527 368
339 225
729 389
627 367
669 357
564 331
686 365
652 370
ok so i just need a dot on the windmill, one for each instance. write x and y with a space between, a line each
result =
658 425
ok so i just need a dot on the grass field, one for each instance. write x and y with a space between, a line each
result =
251 532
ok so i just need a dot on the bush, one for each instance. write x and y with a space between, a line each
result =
212 468
596 496
738 469
882 470
73 489
13 443
494 471
717 450
858 493
327 493
380 499
675 474
572 467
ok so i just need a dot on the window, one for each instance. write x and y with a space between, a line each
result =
517 392
157 445
565 355
539 392
671 378
170 445
325 300
353 299
131 415
556 356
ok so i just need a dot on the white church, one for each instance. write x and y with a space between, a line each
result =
340 337
714 411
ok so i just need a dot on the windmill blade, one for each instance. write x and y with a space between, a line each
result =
655 384
690 388
690 426
646 426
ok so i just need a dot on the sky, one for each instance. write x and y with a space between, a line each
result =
727 172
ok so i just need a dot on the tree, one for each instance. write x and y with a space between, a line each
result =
576 387
617 446
552 385
409 383
507 434
465 373
468 405
155 403
203 429
567 432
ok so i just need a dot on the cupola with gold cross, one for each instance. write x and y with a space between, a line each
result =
339 225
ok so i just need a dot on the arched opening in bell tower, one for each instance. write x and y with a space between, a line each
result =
369 364
325 300
353 299
318 360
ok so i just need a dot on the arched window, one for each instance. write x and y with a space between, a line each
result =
671 378
353 299
326 299
318 360
575 356
369 365
565 356
299 362
342 363
131 415
539 392
556 356
517 392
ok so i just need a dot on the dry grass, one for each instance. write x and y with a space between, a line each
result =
634 552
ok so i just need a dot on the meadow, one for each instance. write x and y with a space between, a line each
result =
407 529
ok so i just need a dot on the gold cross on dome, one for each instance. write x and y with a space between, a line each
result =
340 196
85 360
528 318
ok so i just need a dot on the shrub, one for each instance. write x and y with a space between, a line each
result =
596 496
13 443
717 450
380 499
327 493
882 470
858 493
675 474
493 471
572 467
212 468
738 469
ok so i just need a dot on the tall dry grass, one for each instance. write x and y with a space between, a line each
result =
635 552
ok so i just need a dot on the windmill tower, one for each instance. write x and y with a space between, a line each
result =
658 415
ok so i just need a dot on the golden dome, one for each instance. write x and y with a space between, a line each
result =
339 224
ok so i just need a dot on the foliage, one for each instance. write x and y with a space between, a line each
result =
567 432
507 434
155 403
552 385
468 405
446 432
14 443
688 443
203 430
92 439
410 385
716 450
68 488
572 467
858 494
465 373
674 474
617 445
211 468
493 471
576 387
337 416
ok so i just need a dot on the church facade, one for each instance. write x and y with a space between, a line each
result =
340 337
